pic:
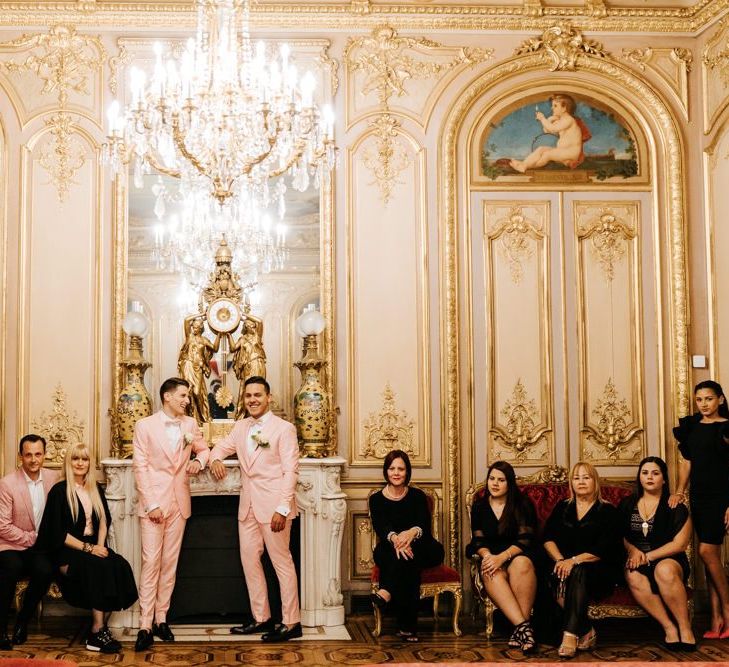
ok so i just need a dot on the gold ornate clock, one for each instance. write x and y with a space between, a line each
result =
223 315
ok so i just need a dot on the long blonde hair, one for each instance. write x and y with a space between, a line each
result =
592 472
81 451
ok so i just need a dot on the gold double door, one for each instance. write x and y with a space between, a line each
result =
563 302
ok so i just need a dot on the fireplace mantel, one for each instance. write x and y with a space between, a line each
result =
322 508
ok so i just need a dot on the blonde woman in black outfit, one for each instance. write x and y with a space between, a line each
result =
401 519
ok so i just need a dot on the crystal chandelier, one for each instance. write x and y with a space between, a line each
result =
231 124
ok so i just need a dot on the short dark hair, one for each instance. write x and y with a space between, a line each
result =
170 385
258 379
665 491
397 454
31 437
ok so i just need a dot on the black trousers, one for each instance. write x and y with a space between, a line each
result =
15 565
401 578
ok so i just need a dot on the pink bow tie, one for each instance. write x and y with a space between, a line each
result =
172 422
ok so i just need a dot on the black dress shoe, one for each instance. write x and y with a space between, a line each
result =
253 628
20 634
5 643
144 640
687 647
283 633
163 632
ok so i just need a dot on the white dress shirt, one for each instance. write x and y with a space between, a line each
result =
37 497
173 431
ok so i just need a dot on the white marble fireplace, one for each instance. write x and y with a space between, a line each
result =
322 507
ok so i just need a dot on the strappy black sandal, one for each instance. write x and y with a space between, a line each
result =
523 637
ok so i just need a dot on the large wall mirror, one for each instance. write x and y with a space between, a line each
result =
152 279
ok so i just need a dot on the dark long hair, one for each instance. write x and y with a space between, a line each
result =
665 491
716 388
397 454
514 506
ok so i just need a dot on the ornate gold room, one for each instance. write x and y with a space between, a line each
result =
414 261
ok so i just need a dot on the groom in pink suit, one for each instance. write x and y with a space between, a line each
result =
162 446
268 454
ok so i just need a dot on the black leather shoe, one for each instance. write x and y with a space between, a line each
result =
20 634
253 628
5 643
163 632
687 647
144 640
283 633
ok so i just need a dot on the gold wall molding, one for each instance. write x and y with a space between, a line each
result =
515 231
62 156
613 432
389 157
563 45
655 117
63 60
715 66
607 235
61 428
388 429
117 62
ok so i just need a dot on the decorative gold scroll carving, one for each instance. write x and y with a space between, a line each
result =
388 429
550 475
387 66
364 543
685 56
719 62
116 62
64 60
639 57
333 64
389 156
564 45
613 432
521 429
532 8
515 233
607 235
63 155
596 8
715 62
60 428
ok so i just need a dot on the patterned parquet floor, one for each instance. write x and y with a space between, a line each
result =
619 640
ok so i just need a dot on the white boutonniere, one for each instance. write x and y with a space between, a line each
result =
189 437
260 442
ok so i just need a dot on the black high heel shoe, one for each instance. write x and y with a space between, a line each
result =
378 601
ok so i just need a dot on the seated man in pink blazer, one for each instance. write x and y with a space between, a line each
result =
161 464
22 501
268 454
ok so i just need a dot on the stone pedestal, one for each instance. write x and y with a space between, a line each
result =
322 507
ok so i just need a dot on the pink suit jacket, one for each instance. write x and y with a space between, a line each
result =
269 474
161 474
17 523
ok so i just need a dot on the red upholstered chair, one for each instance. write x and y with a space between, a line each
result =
434 580
545 489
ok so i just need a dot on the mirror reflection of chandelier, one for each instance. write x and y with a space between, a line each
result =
227 120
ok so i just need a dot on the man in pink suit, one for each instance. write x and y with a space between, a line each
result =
268 453
161 464
22 501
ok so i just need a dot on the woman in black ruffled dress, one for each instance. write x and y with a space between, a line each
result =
703 440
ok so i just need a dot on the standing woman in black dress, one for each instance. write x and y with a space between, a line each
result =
655 537
703 440
582 538
401 519
503 529
73 532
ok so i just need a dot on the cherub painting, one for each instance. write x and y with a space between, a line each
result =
579 140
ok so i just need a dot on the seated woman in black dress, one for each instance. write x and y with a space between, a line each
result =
401 519
582 537
503 528
703 440
73 531
656 537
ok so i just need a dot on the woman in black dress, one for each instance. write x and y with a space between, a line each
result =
582 538
703 442
73 531
655 537
503 528
401 519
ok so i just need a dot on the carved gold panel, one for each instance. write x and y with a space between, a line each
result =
388 341
61 427
715 74
520 401
387 71
361 546
610 324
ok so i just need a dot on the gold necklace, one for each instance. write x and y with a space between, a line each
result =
646 516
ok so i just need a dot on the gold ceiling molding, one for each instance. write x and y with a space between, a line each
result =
61 428
63 155
533 8
596 8
388 429
520 431
563 45
383 59
389 156
607 235
613 433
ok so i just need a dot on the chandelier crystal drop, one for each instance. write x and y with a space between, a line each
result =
226 119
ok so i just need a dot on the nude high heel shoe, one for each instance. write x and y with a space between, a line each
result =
568 647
